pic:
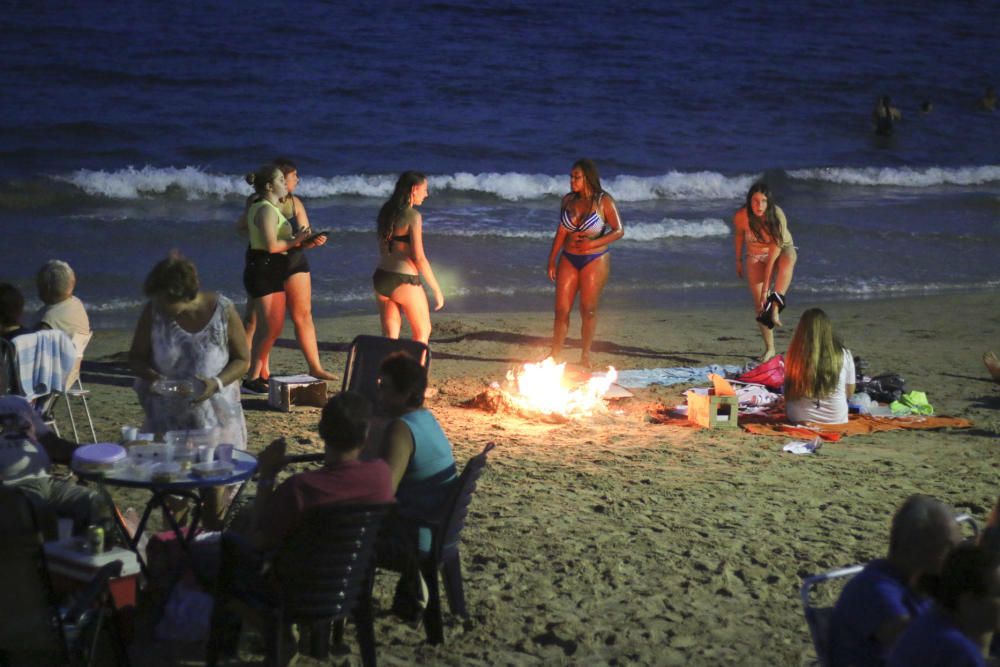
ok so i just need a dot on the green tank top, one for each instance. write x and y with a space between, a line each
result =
283 232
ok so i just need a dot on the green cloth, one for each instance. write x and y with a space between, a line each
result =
912 403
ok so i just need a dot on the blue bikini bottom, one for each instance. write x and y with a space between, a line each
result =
580 261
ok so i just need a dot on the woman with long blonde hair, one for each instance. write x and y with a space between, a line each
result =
819 372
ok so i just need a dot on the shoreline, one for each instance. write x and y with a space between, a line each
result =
616 539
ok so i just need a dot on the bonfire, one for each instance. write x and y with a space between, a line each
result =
543 390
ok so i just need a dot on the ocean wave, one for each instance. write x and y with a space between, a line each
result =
906 177
195 183
132 183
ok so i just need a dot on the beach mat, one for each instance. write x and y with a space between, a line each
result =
856 425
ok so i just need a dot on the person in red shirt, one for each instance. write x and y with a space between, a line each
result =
343 478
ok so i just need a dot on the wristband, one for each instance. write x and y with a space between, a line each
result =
218 381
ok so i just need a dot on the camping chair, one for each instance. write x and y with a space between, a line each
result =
52 357
323 573
818 617
444 555
366 355
36 630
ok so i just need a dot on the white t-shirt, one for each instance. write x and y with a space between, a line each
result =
21 454
829 410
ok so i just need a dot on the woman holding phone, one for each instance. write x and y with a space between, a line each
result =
277 272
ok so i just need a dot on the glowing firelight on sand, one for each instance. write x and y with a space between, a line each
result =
542 388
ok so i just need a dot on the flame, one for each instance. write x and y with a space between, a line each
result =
542 388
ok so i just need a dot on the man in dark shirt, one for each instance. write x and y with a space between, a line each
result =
878 603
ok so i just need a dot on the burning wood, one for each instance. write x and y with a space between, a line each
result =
542 391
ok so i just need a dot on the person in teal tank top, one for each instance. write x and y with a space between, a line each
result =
420 457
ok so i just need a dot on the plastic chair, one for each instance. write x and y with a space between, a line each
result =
35 629
366 355
74 389
818 617
323 573
444 556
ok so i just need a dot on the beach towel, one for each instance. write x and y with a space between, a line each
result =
643 377
857 424
44 360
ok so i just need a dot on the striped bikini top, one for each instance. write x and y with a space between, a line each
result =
591 222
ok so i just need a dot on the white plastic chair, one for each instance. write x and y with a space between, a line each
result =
818 617
74 389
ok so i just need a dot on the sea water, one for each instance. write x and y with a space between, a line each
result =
128 127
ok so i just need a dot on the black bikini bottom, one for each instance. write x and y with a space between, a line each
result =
387 281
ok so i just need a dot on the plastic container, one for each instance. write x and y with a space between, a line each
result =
178 388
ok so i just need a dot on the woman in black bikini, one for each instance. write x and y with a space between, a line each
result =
402 261
588 224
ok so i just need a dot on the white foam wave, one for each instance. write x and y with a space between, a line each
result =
906 177
195 183
672 228
132 183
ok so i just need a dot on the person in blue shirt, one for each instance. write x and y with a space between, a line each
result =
966 611
877 604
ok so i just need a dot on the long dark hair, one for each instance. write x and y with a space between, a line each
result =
591 175
398 202
768 223
966 569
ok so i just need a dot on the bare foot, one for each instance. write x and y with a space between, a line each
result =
585 361
320 374
767 356
992 365
775 318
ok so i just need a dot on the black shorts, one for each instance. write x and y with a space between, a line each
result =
266 272
387 281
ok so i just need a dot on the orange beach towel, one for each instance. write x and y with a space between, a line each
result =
857 424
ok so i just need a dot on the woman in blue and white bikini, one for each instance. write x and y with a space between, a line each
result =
588 225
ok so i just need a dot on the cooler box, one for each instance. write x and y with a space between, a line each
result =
284 391
70 568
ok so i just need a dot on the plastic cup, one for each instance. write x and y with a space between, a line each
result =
129 433
206 453
224 453
65 529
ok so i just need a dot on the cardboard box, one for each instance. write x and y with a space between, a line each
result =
288 390
712 411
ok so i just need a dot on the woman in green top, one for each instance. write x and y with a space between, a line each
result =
269 274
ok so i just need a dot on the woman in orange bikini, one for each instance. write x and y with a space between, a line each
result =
762 228
588 224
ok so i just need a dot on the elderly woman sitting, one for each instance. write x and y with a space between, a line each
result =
55 282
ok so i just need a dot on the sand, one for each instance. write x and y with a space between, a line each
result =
619 541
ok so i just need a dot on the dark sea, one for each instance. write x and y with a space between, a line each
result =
127 126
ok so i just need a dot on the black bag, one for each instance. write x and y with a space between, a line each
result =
884 388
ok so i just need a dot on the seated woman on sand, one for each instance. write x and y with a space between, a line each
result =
819 372
402 261
761 227
55 282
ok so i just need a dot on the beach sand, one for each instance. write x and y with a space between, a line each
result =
619 541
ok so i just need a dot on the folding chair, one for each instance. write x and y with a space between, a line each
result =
366 355
74 389
818 617
444 556
36 630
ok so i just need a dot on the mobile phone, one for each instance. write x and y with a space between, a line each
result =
317 235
